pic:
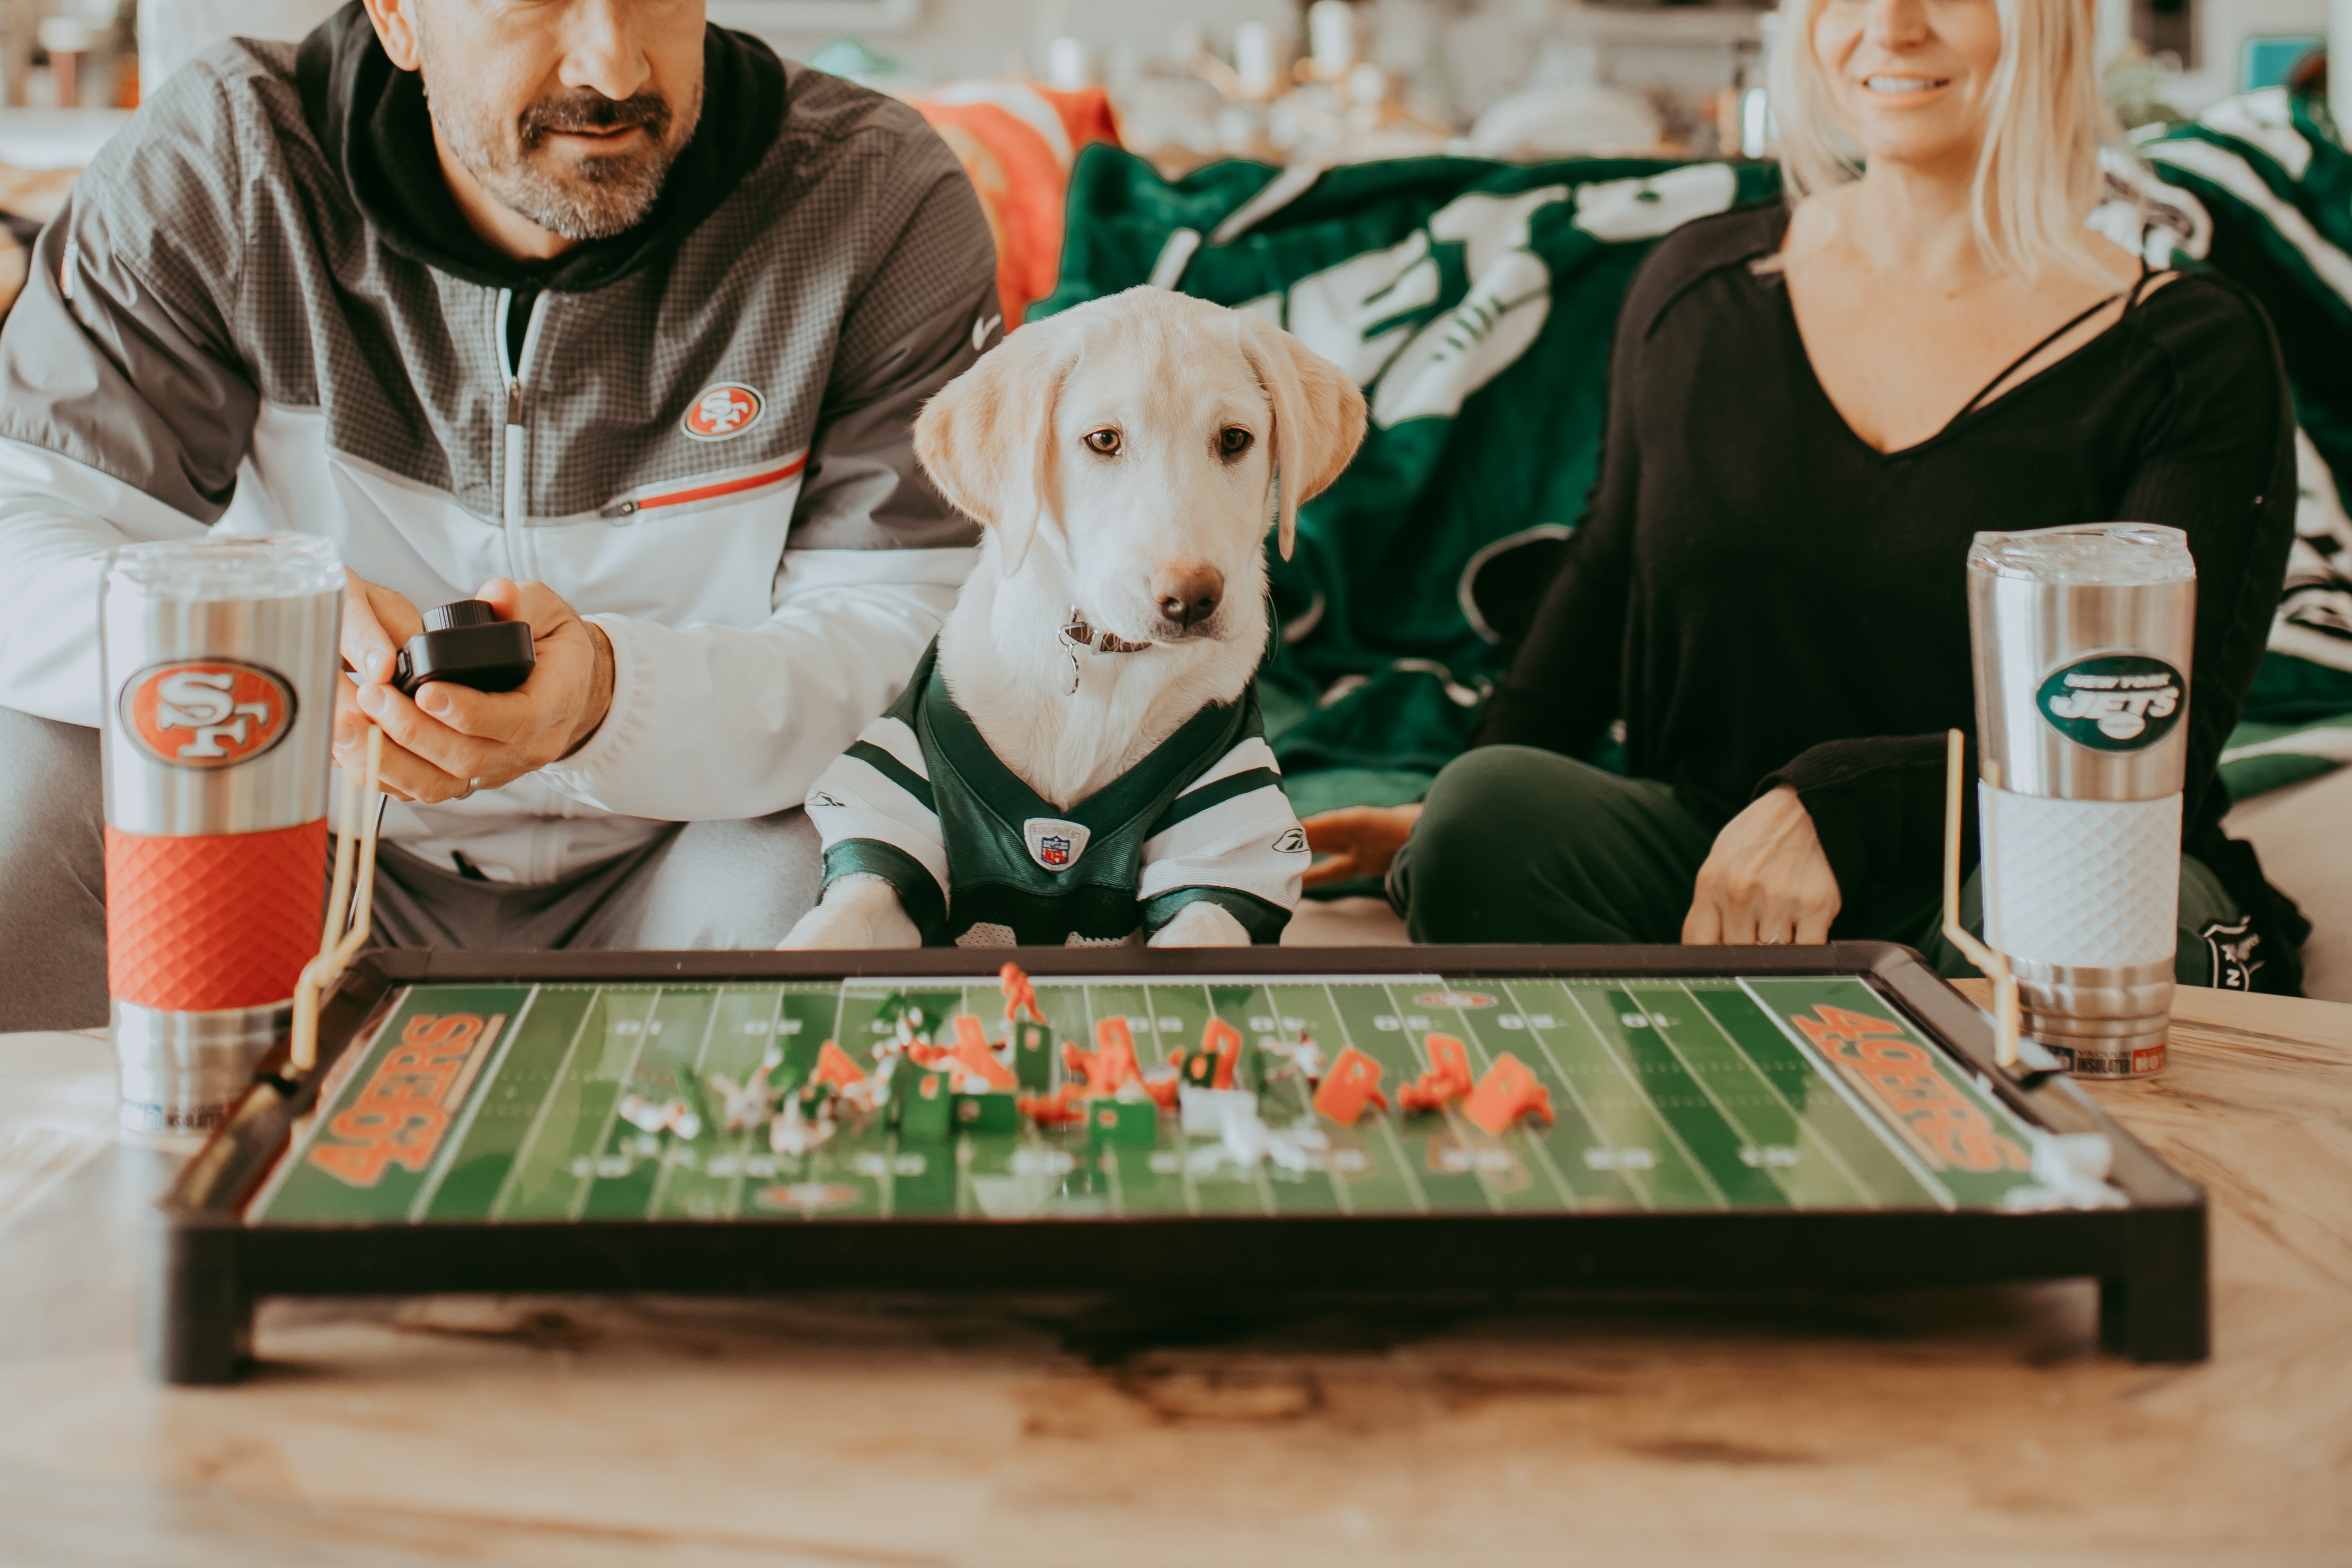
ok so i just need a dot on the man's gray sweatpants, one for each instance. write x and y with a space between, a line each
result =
700 884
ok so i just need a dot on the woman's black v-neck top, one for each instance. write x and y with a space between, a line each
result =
1765 599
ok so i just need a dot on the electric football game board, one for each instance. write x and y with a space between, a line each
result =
1350 1119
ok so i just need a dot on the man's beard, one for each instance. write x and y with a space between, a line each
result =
582 199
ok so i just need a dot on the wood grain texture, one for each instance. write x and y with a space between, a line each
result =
1953 1427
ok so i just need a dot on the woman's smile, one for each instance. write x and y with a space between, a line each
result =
1904 91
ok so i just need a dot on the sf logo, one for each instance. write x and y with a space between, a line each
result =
721 412
206 714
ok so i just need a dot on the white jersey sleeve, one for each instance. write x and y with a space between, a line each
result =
1231 838
873 807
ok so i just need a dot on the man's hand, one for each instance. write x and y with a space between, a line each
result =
1765 881
377 623
1361 841
451 740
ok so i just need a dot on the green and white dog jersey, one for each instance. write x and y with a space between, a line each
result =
981 860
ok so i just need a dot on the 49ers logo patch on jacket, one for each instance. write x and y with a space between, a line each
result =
723 412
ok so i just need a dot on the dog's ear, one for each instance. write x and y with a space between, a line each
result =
1318 416
987 437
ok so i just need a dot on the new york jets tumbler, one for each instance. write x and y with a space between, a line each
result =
220 660
2083 637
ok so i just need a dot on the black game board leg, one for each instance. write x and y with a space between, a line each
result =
2158 1309
198 1324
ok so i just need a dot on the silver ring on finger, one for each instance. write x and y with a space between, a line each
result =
1774 941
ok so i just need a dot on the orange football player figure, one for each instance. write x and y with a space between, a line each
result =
1352 1082
1019 994
834 1066
1112 1061
1508 1093
1062 1108
1448 1077
972 1054
1211 1064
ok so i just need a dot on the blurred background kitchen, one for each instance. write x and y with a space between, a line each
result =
1192 80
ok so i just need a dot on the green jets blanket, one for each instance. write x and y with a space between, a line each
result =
1475 302
2260 187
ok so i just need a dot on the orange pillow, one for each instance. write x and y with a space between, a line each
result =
1017 141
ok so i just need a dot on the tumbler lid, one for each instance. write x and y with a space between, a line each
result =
241 565
2120 554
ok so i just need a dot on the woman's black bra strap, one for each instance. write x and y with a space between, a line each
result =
2026 358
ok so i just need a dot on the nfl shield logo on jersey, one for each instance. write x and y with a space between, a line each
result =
1052 843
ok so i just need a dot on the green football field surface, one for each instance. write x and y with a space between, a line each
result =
1697 1095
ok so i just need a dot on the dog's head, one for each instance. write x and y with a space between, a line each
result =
1142 434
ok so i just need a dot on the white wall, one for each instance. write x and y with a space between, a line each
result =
980 38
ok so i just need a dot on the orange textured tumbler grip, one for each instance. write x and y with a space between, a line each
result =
226 920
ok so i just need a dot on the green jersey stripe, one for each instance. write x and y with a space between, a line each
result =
926 904
898 772
1192 803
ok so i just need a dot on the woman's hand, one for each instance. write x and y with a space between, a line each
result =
1765 881
1363 841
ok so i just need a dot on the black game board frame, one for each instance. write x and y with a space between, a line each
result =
208 1268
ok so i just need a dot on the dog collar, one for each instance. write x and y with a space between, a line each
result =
1078 634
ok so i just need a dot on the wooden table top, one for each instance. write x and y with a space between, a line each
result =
1968 1427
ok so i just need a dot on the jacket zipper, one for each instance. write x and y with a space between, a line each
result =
517 455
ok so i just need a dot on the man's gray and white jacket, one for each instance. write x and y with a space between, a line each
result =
709 457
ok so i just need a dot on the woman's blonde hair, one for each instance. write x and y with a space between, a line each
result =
2037 173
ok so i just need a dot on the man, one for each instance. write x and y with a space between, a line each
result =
584 305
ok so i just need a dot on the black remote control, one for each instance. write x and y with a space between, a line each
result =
467 645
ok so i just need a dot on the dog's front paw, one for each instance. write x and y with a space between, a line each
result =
1201 923
855 911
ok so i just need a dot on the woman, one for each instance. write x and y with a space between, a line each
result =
1813 407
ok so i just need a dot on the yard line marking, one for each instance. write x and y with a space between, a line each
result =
485 1077
1690 1070
1453 1120
1804 1128
1388 1131
547 1098
1567 1081
701 1108
579 1204
1534 1141
1656 1112
1302 1095
1257 1172
730 1206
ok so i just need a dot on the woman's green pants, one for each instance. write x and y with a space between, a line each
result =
1517 844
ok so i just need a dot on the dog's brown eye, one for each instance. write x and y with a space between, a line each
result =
1232 441
1103 441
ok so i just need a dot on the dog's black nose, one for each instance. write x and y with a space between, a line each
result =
1188 591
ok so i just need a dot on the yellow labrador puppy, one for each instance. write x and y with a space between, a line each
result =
1078 758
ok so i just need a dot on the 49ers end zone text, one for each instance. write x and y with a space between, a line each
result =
401 1115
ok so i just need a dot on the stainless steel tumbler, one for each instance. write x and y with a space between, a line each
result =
220 657
2083 639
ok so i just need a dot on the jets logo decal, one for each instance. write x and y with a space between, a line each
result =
723 412
2114 702
1293 842
206 714
1052 843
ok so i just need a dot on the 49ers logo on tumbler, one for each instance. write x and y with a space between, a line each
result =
723 410
207 714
